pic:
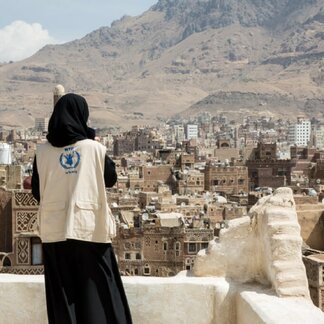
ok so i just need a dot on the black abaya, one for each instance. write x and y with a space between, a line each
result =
83 285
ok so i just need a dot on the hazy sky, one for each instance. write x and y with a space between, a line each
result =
28 25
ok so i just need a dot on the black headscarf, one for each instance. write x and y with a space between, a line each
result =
68 123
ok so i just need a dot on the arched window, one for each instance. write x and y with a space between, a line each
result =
147 270
6 262
177 246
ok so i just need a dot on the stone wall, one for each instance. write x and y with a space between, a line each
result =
162 301
311 220
265 247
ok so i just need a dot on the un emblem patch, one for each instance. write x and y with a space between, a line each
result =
70 158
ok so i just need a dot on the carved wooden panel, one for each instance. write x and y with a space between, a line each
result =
23 251
25 199
26 221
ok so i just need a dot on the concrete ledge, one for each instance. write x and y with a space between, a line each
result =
256 308
179 299
22 299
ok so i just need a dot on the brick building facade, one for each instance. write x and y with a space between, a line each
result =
314 264
265 170
226 179
24 252
159 251
153 175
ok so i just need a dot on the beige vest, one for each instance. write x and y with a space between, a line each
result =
73 201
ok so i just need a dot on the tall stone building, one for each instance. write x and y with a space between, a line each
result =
41 124
153 175
191 182
265 170
160 251
22 245
124 144
225 178
299 133
11 176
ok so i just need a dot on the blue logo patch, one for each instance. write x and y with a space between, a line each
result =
70 159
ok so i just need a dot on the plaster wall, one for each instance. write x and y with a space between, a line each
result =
311 221
180 299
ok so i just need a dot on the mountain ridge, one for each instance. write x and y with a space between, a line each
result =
172 57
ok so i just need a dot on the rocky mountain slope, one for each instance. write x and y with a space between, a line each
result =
235 56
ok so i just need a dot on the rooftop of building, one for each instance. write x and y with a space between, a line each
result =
179 299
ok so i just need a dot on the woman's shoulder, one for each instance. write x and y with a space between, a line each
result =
43 146
92 143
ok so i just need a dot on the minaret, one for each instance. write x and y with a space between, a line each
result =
58 92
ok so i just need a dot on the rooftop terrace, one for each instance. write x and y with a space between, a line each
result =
252 274
180 299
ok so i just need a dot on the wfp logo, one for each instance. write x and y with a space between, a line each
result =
70 158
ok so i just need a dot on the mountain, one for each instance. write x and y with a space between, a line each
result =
181 57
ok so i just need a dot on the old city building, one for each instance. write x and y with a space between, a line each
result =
152 175
157 250
190 182
124 144
265 170
11 176
314 264
22 246
225 178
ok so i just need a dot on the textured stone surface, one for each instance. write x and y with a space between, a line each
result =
181 299
22 299
264 247
255 307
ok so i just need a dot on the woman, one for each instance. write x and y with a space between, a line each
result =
70 172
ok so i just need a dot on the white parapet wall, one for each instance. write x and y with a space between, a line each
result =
181 299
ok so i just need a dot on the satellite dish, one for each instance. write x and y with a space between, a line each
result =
318 181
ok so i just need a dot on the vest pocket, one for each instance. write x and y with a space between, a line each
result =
53 217
85 215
